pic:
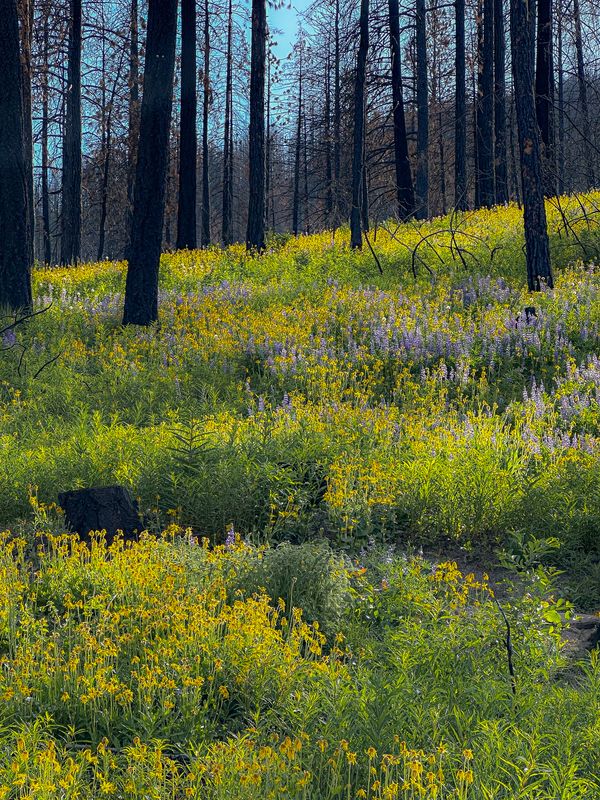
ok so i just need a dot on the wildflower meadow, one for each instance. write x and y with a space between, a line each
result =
371 487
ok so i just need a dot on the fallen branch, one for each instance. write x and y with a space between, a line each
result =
509 648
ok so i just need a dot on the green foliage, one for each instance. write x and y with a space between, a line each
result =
309 576
151 671
299 395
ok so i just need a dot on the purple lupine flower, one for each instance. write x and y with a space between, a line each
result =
230 537
9 338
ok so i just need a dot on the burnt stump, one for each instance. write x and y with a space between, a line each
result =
101 508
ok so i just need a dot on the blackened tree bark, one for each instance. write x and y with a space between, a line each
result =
186 209
255 233
70 242
296 197
26 14
500 104
477 93
561 102
364 194
544 92
522 32
328 161
47 249
141 290
134 102
306 219
228 138
206 98
485 110
107 117
405 195
583 98
337 116
15 277
461 201
422 176
268 196
359 127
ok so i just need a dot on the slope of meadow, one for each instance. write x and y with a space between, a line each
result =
358 406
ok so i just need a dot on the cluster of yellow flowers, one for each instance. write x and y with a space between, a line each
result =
125 639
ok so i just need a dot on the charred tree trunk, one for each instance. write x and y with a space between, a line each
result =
405 195
105 139
306 187
513 156
583 98
485 109
141 291
522 31
337 118
15 265
26 13
206 236
46 246
544 93
188 149
228 139
477 93
107 148
71 168
255 233
500 104
359 127
296 199
364 196
422 177
268 141
442 152
461 201
134 103
561 104
328 162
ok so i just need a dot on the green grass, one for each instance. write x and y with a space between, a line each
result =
302 395
338 419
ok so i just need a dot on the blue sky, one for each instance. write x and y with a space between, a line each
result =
286 20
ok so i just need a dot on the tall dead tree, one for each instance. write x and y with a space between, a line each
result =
583 98
485 109
359 128
227 206
500 162
186 209
405 195
298 147
26 19
328 160
337 115
108 105
544 92
206 92
70 242
15 276
522 34
461 201
44 144
422 173
134 101
141 289
255 233
560 154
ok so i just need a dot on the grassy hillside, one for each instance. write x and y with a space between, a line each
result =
297 424
303 393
